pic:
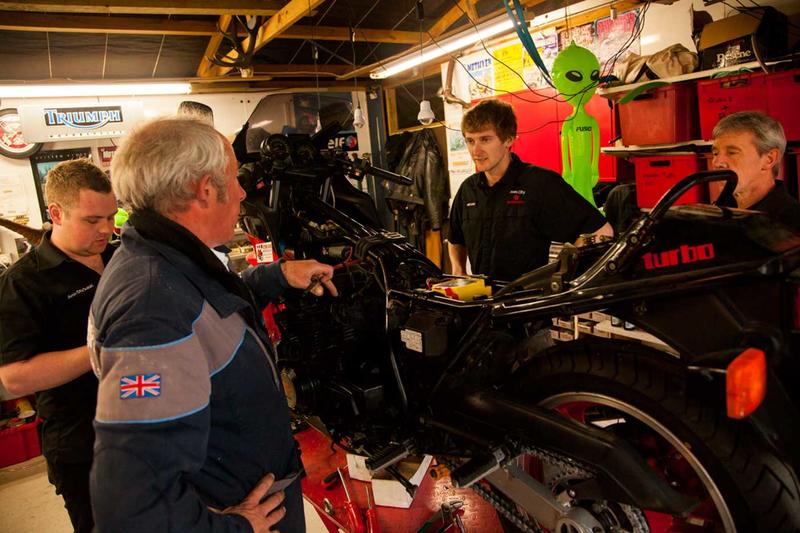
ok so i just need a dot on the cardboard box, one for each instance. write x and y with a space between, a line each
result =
728 42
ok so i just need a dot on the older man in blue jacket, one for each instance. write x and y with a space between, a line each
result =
192 424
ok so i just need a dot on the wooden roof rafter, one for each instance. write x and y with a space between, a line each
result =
271 29
149 7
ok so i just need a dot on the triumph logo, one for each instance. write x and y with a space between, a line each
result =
85 118
680 256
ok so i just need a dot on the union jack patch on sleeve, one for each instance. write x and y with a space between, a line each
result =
140 386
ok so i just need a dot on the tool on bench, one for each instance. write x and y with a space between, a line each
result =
328 515
373 526
353 513
447 514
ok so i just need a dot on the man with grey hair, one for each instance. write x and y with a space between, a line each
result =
752 145
192 424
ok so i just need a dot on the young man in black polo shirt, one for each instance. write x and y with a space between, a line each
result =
752 145
505 216
44 308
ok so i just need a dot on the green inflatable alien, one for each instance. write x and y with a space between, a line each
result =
575 73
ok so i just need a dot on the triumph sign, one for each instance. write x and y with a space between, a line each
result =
89 118
48 123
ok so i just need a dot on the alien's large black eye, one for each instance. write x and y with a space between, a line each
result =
574 75
595 75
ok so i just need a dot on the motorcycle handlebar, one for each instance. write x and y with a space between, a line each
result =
389 176
363 166
699 178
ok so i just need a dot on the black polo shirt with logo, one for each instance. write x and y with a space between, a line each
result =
507 228
44 307
777 203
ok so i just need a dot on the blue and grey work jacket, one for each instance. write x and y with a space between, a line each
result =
190 413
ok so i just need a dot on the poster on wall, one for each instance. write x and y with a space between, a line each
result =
41 164
106 154
12 143
508 66
481 76
611 36
547 45
582 35
12 198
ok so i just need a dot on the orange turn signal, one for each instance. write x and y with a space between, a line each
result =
746 383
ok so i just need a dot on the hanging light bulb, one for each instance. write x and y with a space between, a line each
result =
425 115
358 117
358 114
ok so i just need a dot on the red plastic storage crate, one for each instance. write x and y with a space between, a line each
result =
657 174
721 97
19 444
783 95
665 115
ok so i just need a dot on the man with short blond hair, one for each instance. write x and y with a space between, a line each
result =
505 216
44 307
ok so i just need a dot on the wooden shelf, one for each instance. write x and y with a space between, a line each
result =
618 90
684 148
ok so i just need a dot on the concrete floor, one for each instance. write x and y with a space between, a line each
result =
28 503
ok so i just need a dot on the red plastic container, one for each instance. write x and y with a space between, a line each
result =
720 97
656 175
783 94
665 115
19 444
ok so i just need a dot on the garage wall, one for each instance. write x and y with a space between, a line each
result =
231 110
664 25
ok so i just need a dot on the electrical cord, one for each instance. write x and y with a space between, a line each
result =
486 49
635 34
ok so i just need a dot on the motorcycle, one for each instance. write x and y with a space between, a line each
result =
591 435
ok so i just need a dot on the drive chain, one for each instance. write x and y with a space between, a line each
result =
508 510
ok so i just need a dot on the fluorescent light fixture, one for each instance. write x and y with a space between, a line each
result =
457 42
92 89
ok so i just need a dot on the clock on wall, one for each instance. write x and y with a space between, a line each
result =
12 143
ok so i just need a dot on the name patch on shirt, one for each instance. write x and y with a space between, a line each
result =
140 386
80 291
516 198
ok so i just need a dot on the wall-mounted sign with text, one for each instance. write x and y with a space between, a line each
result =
49 123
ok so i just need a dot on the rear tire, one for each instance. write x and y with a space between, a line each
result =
751 488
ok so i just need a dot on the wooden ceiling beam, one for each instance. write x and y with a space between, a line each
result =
205 67
590 15
22 21
298 71
244 85
335 33
273 28
448 19
149 7
69 23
